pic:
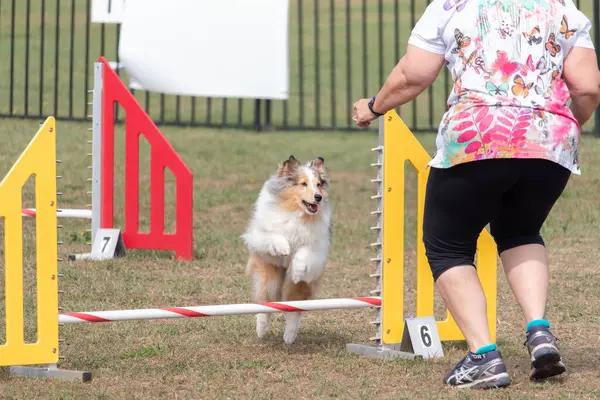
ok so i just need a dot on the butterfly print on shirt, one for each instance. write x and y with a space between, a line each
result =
462 42
520 88
551 45
459 4
564 28
533 37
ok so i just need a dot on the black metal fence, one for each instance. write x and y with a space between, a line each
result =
340 50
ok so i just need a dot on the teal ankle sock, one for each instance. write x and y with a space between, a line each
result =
536 322
485 349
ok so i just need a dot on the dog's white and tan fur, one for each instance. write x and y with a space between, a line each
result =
288 238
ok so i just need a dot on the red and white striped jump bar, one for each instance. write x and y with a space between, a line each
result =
219 310
62 213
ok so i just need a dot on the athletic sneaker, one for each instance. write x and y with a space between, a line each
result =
479 371
545 358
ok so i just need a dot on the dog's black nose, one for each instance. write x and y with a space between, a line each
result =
318 197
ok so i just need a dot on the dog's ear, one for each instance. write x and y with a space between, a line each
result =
319 164
288 166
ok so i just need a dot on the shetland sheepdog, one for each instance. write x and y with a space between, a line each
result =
288 238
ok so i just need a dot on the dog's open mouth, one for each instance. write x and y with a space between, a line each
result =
313 208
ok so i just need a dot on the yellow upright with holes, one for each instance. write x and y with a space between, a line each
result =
399 146
38 159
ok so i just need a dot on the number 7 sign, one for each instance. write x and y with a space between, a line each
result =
108 244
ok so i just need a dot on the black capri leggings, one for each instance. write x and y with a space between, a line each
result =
513 195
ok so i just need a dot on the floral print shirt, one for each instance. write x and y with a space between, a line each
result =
506 59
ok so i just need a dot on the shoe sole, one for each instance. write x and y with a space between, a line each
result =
492 382
546 366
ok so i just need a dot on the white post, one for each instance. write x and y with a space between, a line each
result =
61 213
97 148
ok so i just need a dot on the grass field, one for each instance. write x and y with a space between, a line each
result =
220 358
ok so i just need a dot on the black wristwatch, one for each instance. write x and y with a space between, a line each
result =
371 107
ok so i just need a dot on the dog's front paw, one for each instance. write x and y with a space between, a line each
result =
292 326
279 246
289 336
262 324
299 272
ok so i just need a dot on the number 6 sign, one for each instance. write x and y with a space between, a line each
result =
421 337
425 331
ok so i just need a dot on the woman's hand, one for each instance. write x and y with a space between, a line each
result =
414 73
362 114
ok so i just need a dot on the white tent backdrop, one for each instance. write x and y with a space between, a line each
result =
107 11
208 48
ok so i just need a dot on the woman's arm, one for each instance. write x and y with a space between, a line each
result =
580 71
414 73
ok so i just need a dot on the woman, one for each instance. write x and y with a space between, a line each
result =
506 148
